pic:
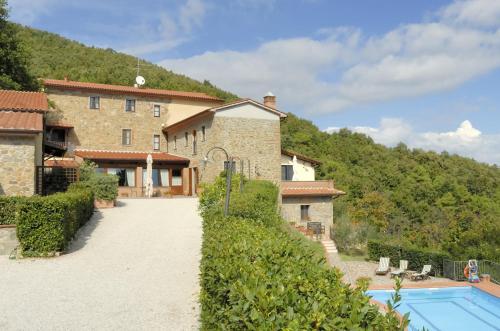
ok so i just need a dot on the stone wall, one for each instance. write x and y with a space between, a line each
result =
8 239
102 128
320 210
254 141
18 160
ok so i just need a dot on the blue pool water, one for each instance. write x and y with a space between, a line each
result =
447 309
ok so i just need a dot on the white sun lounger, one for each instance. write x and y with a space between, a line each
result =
383 266
403 265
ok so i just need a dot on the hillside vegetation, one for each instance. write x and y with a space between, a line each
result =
53 56
438 201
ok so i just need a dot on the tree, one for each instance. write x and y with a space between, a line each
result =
14 72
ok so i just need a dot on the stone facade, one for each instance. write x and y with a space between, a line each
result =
101 128
19 156
320 210
255 141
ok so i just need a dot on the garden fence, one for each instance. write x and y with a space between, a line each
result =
455 270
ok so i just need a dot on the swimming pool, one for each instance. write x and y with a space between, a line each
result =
442 309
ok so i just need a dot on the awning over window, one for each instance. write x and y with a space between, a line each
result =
100 155
309 188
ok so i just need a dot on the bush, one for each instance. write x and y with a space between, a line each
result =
46 225
255 276
8 209
416 257
105 187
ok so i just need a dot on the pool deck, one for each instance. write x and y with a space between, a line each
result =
487 287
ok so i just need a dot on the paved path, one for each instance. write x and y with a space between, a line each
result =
134 267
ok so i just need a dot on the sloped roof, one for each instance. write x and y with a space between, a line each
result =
128 156
66 163
309 188
21 121
211 111
59 124
23 101
131 90
299 156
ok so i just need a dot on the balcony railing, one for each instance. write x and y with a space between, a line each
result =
56 144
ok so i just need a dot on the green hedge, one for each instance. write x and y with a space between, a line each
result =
46 225
8 209
255 276
416 257
105 187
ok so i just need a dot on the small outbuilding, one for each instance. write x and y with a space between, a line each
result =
21 140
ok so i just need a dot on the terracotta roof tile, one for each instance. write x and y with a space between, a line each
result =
67 163
28 101
300 156
309 188
59 124
20 121
120 89
128 156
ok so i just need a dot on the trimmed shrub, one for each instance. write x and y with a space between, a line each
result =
255 276
45 225
8 209
416 257
105 187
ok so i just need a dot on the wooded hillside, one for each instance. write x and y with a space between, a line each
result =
431 200
53 56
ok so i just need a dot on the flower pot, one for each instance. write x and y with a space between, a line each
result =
101 204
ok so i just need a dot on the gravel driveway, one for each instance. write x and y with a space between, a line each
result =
134 267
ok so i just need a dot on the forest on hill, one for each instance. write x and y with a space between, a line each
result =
53 56
413 197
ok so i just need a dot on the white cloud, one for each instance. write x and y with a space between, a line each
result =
191 14
171 29
341 67
476 12
28 11
465 140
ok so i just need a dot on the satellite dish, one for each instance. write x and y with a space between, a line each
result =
140 80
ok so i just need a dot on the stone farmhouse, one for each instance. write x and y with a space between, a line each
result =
189 135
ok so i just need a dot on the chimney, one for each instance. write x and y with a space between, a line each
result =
65 78
270 100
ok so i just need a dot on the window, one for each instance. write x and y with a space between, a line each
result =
203 133
286 172
164 177
186 139
156 142
130 105
176 177
226 166
175 142
126 177
194 142
160 177
156 110
304 212
126 137
94 102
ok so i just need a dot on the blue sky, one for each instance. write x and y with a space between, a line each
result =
423 72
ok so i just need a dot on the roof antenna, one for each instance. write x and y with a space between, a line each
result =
139 80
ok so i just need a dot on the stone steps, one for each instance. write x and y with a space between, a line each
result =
329 246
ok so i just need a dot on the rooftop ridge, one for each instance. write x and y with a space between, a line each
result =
113 88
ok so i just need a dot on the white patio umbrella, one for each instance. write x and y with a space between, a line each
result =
149 177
